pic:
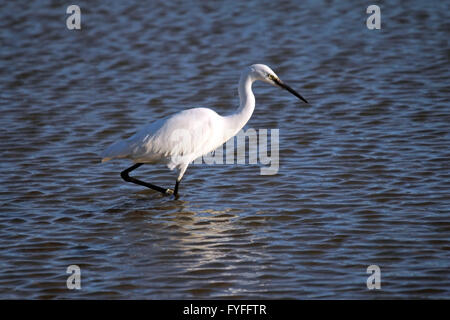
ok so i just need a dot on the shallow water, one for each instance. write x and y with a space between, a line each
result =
364 169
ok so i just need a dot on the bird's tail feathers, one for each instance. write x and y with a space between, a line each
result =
119 149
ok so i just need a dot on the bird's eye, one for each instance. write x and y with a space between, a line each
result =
272 77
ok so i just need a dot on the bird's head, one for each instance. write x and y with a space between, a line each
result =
264 73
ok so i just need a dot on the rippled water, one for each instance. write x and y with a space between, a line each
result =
364 169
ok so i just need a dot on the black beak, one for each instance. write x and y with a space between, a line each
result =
286 87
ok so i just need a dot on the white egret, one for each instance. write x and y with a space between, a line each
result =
183 137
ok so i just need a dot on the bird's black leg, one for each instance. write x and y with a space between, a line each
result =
126 177
175 190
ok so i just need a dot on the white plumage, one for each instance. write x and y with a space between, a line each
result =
183 137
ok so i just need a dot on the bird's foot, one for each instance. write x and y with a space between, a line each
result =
170 192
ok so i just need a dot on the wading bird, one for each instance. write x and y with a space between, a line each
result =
183 137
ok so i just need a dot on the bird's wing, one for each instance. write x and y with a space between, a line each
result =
192 132
131 146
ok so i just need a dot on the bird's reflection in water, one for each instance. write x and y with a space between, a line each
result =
206 248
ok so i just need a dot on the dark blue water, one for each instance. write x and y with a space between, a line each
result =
364 169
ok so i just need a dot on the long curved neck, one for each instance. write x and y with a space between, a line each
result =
237 120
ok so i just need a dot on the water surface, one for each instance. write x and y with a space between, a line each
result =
364 169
